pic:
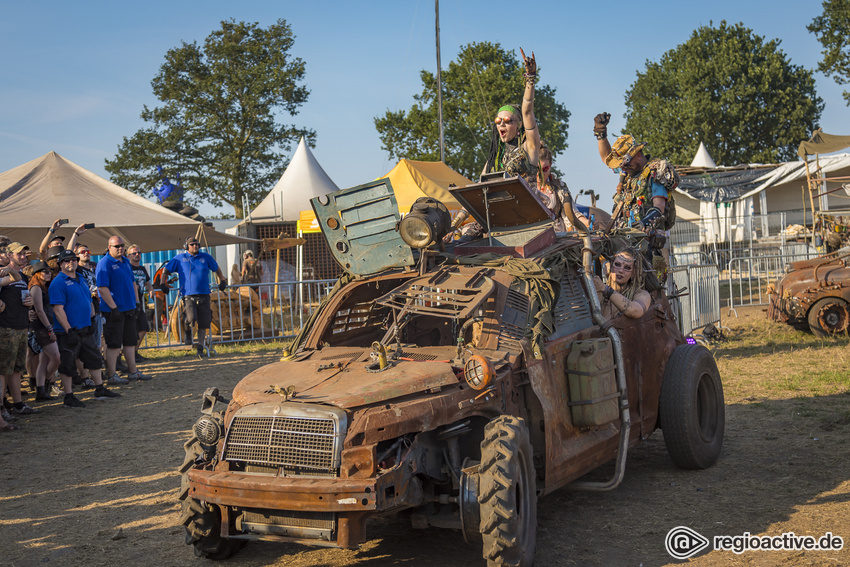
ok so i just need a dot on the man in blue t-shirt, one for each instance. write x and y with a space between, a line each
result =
193 269
118 298
73 324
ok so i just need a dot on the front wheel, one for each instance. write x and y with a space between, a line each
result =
202 521
693 414
829 316
507 494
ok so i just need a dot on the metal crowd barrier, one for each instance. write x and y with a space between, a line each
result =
699 304
747 278
241 313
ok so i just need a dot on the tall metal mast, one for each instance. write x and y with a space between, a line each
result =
439 85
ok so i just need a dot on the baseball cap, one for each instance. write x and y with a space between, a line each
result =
16 247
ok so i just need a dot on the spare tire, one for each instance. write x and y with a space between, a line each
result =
692 410
173 205
188 211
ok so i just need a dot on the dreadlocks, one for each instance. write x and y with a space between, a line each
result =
635 283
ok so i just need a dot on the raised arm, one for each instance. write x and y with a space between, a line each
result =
529 122
600 130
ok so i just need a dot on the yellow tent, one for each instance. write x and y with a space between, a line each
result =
410 180
413 179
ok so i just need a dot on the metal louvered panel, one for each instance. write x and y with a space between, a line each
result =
572 312
513 321
294 439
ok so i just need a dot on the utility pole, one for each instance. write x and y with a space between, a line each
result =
439 85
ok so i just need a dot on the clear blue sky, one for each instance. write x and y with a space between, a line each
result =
76 74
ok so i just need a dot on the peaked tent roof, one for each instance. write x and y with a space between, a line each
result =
702 158
34 194
303 179
414 179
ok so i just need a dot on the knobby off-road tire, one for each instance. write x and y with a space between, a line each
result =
202 522
828 316
693 414
507 493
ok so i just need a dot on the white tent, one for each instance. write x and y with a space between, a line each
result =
303 179
702 158
38 192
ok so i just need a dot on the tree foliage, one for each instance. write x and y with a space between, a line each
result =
482 79
731 90
217 126
832 28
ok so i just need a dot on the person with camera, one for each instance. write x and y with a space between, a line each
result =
118 298
51 240
73 325
193 269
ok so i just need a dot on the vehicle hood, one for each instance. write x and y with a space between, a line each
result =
350 387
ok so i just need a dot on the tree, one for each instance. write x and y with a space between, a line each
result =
832 28
217 126
731 90
484 78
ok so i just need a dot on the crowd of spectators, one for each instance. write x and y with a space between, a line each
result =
65 320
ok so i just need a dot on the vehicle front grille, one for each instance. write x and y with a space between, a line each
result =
316 520
292 445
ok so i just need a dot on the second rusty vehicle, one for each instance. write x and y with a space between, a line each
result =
814 295
453 388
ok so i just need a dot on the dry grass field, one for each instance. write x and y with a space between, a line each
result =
97 487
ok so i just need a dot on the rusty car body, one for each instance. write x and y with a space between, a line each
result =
814 294
452 388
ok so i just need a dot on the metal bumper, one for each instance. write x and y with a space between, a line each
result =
243 490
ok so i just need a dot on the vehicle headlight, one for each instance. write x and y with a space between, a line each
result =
207 430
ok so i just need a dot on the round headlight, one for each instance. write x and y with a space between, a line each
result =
207 430
479 372
416 231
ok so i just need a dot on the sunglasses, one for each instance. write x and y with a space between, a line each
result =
506 121
194 244
117 246
134 253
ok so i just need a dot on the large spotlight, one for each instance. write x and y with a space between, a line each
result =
426 224
479 372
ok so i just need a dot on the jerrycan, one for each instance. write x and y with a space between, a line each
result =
592 383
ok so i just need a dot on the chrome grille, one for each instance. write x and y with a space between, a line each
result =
301 444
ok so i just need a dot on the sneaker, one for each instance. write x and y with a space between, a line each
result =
71 401
4 413
199 352
42 394
76 380
24 409
138 375
140 358
116 380
103 394
88 384
56 391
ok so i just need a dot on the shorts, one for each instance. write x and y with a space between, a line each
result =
13 350
120 329
142 324
197 310
42 337
86 350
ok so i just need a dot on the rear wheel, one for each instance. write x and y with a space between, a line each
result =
507 493
202 521
693 415
829 316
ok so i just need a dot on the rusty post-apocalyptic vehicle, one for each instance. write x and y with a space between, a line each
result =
814 294
453 388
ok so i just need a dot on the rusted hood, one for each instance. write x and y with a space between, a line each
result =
351 387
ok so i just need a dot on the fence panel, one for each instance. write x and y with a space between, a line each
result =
700 304
747 278
242 313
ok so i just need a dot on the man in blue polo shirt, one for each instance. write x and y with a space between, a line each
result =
193 269
117 289
72 322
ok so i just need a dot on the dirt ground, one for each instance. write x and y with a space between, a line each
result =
97 487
